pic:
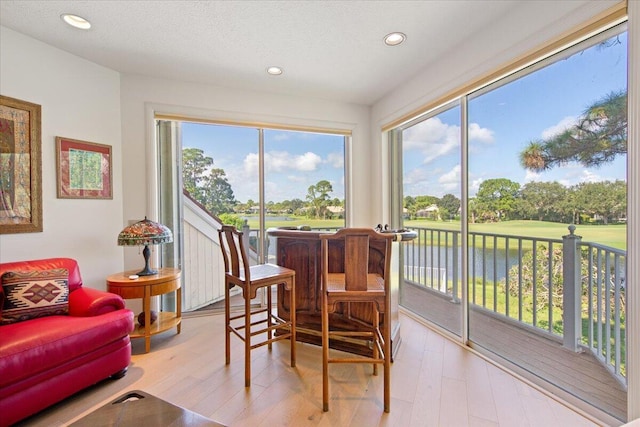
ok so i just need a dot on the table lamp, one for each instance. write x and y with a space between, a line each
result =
145 232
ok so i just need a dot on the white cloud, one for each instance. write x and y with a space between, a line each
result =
531 176
476 133
430 131
435 139
251 164
416 176
572 174
452 175
280 161
558 128
296 178
307 162
475 185
450 181
336 160
588 176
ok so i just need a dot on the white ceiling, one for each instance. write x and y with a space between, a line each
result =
328 49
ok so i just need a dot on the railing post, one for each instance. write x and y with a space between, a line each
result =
571 290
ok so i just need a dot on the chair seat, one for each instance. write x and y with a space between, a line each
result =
268 272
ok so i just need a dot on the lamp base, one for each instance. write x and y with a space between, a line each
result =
147 271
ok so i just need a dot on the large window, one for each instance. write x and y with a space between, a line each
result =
267 177
524 158
252 177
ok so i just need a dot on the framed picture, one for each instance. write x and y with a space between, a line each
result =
84 169
20 167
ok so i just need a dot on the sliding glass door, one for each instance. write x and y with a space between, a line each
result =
518 192
542 293
431 165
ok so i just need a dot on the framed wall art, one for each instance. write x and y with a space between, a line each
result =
20 166
83 169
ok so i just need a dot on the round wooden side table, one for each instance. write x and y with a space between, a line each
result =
167 280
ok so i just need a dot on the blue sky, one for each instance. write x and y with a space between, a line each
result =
293 160
501 123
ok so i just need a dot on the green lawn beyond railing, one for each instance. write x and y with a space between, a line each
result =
614 235
295 221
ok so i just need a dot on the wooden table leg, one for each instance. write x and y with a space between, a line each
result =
179 307
146 306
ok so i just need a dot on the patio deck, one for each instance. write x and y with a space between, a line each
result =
578 374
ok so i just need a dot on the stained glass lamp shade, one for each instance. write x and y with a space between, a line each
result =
145 232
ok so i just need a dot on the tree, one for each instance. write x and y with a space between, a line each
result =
420 203
544 201
217 192
230 219
497 198
194 166
318 196
548 290
474 210
296 205
449 205
604 200
212 190
599 136
410 206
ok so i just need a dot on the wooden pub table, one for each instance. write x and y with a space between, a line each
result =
167 280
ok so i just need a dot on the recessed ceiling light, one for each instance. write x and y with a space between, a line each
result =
76 21
394 39
274 71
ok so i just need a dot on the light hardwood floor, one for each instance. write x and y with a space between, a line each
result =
435 382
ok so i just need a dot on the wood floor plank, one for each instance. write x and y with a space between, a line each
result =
480 401
435 382
453 403
426 402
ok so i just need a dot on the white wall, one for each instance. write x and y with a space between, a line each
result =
141 96
79 100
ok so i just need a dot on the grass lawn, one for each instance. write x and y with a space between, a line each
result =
294 221
614 235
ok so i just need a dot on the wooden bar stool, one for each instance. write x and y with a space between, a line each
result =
348 276
238 272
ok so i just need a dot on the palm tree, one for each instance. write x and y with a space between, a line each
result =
599 136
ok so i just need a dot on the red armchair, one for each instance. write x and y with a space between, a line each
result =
46 359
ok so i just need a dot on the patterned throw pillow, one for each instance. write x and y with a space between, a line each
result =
36 293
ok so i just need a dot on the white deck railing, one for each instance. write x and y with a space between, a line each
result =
579 291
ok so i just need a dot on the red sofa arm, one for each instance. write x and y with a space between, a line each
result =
85 302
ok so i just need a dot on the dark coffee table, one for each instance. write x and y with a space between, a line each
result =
137 408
